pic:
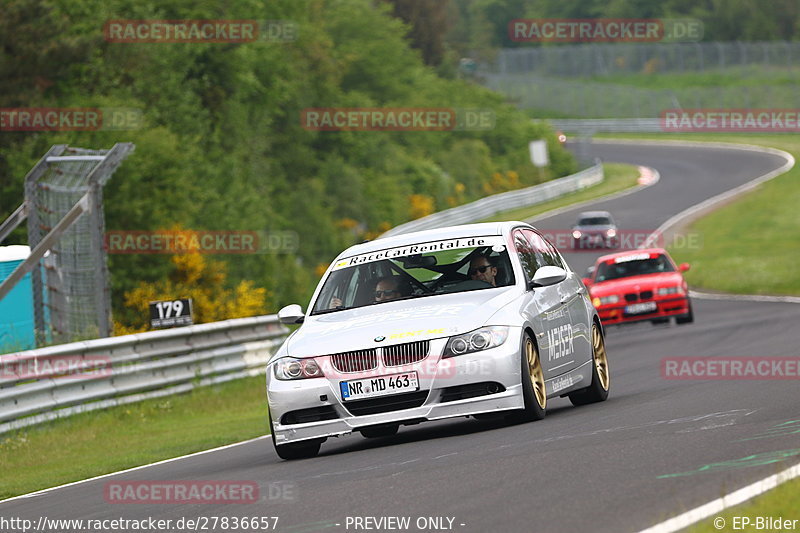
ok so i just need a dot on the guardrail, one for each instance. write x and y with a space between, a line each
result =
56 381
497 203
590 126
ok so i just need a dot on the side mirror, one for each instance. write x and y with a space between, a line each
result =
684 267
587 281
548 275
291 314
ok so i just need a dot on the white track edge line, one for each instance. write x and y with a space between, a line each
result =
140 467
744 297
693 516
611 196
722 197
789 161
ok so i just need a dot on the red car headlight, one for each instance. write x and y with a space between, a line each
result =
664 291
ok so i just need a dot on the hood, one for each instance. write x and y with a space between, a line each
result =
399 322
634 283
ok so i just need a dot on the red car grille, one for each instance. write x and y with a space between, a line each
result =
635 297
404 354
355 361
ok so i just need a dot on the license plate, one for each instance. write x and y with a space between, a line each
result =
638 309
358 389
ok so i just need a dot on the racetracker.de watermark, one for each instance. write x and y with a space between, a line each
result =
611 241
202 242
730 368
17 367
182 492
70 118
604 30
730 120
397 119
199 31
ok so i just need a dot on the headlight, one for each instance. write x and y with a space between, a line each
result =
605 300
475 341
290 368
663 291
611 233
576 234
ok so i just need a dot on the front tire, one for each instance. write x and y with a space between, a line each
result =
688 318
601 379
533 388
295 450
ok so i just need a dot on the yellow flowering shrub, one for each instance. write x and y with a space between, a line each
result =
204 281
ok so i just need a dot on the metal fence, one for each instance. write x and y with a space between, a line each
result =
64 207
568 80
598 99
491 205
49 383
603 59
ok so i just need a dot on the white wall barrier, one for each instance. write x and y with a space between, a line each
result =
497 203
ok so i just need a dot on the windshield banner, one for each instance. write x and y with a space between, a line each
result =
421 248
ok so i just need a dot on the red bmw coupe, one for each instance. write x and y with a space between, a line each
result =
640 285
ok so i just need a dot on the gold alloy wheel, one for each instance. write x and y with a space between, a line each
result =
535 371
600 359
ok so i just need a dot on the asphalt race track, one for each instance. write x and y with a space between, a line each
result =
656 448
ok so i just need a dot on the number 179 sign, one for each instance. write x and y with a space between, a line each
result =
171 313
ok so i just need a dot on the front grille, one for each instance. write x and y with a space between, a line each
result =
356 361
473 390
632 297
404 354
313 414
386 404
646 295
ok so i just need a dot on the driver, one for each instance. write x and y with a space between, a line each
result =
481 269
389 288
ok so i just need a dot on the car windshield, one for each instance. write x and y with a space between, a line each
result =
595 221
624 267
441 267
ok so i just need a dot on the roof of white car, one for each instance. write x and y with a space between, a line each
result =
450 232
587 214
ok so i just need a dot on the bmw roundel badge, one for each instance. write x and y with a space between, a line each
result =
380 338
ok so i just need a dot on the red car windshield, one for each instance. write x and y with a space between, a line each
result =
622 267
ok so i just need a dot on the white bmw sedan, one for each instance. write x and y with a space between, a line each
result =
468 320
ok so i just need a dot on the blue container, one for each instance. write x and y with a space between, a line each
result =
16 309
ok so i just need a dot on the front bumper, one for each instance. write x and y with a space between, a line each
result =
666 307
480 382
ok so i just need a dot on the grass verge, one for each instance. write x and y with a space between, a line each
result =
96 443
618 177
781 502
739 76
749 246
